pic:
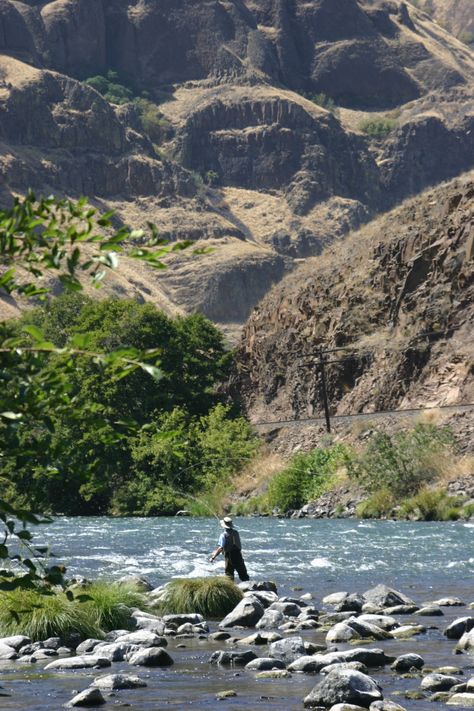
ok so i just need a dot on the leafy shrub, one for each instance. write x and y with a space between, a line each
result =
379 505
211 597
154 123
111 88
378 128
400 463
432 505
306 477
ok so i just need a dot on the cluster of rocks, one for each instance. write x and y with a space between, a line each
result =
279 626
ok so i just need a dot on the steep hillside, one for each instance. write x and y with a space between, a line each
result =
273 127
369 301
457 16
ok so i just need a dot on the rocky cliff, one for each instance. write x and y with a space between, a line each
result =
392 307
279 125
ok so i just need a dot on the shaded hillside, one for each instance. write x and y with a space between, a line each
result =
273 128
457 16
369 301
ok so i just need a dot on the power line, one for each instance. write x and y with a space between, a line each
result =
365 415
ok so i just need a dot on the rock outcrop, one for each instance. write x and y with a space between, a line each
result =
370 300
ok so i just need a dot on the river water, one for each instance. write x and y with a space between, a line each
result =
426 561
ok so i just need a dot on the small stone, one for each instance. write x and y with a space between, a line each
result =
274 674
151 657
430 611
226 694
461 700
111 682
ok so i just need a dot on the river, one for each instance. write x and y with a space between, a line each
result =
426 561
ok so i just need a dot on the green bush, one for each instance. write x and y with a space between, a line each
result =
467 37
211 597
432 505
112 603
154 123
401 463
111 88
379 505
378 128
305 478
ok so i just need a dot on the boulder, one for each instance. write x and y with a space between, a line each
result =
143 638
259 639
383 596
267 585
116 651
465 700
88 645
16 641
239 659
438 682
112 682
385 705
351 603
138 582
80 662
385 622
87 698
270 619
194 618
266 597
287 649
405 662
151 657
246 614
335 598
7 652
466 642
406 631
274 674
458 627
289 609
430 611
306 663
357 666
264 664
344 686
449 602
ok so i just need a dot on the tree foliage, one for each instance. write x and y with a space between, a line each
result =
67 239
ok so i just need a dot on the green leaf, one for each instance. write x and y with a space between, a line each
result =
152 370
8 415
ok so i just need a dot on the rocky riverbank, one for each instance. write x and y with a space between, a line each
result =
321 650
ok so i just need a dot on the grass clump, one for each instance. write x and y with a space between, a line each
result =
211 597
90 611
378 128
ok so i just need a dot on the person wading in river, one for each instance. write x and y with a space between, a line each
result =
229 544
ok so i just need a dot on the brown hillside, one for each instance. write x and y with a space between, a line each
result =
408 273
236 86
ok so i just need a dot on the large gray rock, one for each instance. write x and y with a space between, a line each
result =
306 663
354 628
143 638
151 657
438 682
458 627
383 596
7 652
466 700
466 642
335 598
289 609
351 603
288 649
232 658
264 664
385 622
246 614
87 698
371 657
81 662
357 666
405 662
270 620
88 645
385 705
194 619
266 597
116 651
344 686
15 641
112 682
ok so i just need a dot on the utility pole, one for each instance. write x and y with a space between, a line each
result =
322 362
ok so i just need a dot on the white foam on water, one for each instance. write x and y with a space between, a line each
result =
321 563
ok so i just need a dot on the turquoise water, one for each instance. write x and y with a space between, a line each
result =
424 560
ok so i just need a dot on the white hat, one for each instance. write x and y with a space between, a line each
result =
226 522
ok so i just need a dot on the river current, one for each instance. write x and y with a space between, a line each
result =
426 561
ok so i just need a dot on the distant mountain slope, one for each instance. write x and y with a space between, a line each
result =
278 125
368 301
